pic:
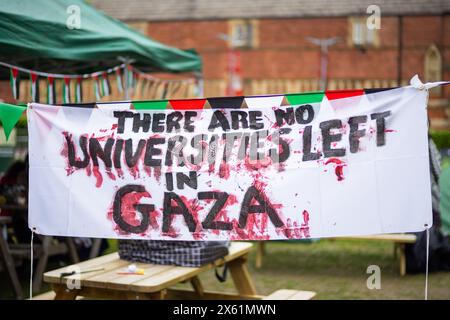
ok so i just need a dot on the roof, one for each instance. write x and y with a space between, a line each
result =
36 33
169 10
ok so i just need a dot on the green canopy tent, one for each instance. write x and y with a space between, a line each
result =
72 37
42 35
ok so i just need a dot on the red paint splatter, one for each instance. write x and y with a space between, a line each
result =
224 170
98 177
110 174
148 170
292 230
339 167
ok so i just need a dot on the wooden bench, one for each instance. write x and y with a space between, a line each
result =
285 294
399 240
157 281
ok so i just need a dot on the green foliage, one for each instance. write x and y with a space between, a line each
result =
441 138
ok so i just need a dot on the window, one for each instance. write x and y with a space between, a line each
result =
360 35
139 26
243 33
433 67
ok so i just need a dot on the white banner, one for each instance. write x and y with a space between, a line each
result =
346 164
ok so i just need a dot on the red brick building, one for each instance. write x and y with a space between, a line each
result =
276 55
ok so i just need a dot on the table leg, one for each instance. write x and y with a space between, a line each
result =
72 249
42 263
95 250
241 276
260 250
198 286
9 265
402 259
63 293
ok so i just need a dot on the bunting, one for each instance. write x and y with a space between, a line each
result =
9 115
51 91
78 90
15 82
101 82
66 90
34 90
119 80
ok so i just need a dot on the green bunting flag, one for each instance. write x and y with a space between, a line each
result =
9 115
305 98
150 105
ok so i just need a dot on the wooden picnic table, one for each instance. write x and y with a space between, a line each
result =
156 282
8 261
398 239
48 246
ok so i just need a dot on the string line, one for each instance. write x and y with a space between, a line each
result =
31 265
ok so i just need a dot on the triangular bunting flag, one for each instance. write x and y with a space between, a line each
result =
96 88
264 101
226 102
106 88
376 90
80 119
9 115
344 98
51 98
66 90
186 104
15 83
47 114
119 80
342 94
34 89
305 98
79 91
150 105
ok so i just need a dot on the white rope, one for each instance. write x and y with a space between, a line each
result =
31 265
426 266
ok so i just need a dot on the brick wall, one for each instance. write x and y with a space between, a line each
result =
284 55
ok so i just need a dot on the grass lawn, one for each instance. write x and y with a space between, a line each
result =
334 269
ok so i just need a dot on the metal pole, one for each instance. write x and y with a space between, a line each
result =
324 44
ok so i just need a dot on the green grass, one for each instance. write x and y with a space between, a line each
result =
335 269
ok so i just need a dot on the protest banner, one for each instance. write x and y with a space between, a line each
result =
311 165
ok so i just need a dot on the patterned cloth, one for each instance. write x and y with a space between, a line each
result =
179 253
435 172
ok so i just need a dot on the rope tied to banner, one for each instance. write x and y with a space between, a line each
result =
31 264
427 260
